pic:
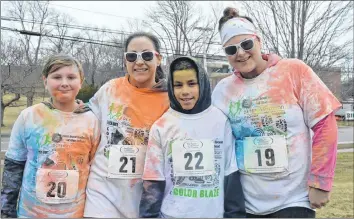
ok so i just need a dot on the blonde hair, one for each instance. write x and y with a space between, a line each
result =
58 61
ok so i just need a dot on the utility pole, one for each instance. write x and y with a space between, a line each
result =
205 30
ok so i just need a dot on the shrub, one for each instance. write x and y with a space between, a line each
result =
86 92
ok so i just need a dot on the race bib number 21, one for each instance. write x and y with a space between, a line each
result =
126 161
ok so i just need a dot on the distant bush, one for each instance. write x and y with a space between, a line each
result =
86 92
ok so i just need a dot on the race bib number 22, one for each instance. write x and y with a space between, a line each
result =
193 157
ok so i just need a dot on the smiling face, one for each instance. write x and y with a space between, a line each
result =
63 84
186 88
245 61
142 72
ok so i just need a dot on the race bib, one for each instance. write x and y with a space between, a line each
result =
126 161
193 157
265 154
57 186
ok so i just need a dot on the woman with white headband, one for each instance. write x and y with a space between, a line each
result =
272 104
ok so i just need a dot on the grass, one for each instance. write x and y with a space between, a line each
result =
345 146
345 123
11 113
341 204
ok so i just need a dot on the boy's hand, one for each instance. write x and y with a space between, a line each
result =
318 198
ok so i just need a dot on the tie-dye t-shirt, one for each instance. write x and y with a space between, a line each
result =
271 116
55 143
191 196
126 114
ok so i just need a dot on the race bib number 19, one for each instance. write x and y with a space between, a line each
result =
57 186
126 161
193 157
265 154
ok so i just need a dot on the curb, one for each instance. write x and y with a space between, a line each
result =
5 134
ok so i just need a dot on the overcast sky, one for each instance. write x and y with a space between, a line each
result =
113 14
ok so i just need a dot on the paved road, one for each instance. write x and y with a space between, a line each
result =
345 135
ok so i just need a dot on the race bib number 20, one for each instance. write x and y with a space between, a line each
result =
126 161
57 186
193 157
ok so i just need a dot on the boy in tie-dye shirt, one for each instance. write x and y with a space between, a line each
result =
50 150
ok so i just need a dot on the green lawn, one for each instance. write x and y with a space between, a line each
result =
345 123
11 113
341 204
345 146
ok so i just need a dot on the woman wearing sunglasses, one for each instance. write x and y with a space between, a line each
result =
126 108
272 104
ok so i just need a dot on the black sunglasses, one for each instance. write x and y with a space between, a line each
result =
246 45
133 56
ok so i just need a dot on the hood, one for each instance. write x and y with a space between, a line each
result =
160 86
204 100
81 109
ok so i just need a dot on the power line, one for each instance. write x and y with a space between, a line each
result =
96 12
85 40
76 39
90 28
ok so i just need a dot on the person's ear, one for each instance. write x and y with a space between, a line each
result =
159 59
44 82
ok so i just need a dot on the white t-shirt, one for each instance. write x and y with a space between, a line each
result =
271 116
191 144
126 114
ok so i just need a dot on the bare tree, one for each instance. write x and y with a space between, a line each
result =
181 26
32 16
11 55
307 30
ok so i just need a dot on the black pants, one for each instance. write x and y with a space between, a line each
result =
292 212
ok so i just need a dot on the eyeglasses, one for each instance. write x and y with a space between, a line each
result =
246 45
146 56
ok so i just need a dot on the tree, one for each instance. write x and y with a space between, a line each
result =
11 55
32 16
307 30
182 28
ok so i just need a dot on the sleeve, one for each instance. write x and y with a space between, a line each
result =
324 153
151 199
234 200
11 185
14 164
154 160
315 99
230 154
17 149
96 138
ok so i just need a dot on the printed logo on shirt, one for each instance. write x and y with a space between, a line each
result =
197 186
121 133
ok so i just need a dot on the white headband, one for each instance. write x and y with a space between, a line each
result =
236 26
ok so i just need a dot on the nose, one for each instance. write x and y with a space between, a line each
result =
64 82
139 60
184 90
240 51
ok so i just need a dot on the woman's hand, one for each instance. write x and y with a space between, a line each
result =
318 198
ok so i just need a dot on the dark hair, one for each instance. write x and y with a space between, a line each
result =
230 13
183 65
159 72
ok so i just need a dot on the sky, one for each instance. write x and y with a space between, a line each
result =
113 14
116 14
